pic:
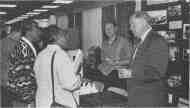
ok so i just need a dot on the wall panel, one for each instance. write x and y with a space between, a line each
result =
91 28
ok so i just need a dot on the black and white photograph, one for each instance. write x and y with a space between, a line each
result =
173 53
158 16
174 11
170 36
94 53
185 54
186 31
173 25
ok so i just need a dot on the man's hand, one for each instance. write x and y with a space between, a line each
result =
99 85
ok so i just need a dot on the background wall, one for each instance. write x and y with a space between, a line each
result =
93 19
178 67
91 28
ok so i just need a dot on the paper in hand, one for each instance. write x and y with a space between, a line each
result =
124 73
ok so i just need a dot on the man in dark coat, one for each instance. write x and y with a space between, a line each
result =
21 78
146 87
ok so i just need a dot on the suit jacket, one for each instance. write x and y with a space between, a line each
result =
21 77
146 87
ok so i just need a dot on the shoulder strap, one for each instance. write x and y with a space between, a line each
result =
52 79
52 76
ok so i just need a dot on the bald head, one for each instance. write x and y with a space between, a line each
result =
139 23
144 15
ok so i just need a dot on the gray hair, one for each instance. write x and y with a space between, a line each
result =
142 14
53 32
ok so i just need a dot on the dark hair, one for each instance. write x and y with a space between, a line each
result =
51 32
28 26
110 22
45 36
105 37
16 27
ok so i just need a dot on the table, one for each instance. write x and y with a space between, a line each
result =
103 99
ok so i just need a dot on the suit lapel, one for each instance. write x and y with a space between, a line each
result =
143 47
27 49
30 45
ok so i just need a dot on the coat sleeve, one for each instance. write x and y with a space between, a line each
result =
157 60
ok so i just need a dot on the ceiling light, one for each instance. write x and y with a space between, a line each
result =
45 20
25 15
29 15
63 1
50 6
32 13
13 21
7 5
2 13
22 17
41 20
40 10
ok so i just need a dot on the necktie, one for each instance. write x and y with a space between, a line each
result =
136 49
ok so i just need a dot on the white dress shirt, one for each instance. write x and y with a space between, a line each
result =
64 77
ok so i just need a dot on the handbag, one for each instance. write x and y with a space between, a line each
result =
54 104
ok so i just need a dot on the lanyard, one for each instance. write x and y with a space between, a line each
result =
136 49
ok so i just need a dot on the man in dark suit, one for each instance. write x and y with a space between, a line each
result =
146 87
21 61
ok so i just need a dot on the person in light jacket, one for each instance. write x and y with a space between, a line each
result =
65 76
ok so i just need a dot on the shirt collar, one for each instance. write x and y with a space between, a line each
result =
54 47
145 34
30 44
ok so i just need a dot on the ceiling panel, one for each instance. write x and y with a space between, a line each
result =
24 6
